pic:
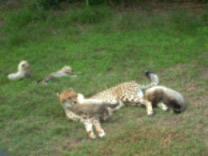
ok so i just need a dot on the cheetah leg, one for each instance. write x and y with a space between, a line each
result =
135 100
98 128
162 106
89 128
70 115
121 104
148 107
87 123
109 114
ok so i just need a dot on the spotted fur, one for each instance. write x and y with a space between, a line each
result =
127 94
133 93
87 111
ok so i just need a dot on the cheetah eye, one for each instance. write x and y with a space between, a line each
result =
69 98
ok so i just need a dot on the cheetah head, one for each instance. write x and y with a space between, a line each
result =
67 70
68 98
23 66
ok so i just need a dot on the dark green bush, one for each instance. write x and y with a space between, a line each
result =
54 4
47 4
23 17
90 14
114 2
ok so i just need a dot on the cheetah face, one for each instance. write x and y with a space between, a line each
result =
67 70
23 66
68 98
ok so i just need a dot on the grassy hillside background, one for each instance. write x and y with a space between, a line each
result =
105 46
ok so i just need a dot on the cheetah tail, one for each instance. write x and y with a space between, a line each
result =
153 77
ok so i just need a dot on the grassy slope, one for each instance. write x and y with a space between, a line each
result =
106 47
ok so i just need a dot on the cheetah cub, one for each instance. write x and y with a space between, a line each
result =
65 71
162 96
87 111
23 71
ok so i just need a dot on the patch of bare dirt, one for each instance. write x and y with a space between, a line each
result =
205 75
190 86
172 74
206 114
68 144
206 53
204 72
180 77
195 95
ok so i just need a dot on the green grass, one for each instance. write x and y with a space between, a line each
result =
105 46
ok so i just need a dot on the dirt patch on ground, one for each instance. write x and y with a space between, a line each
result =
204 73
206 53
186 79
173 74
69 144
195 95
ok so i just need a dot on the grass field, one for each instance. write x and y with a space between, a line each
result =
105 46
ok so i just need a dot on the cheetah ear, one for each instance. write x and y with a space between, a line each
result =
71 88
58 94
